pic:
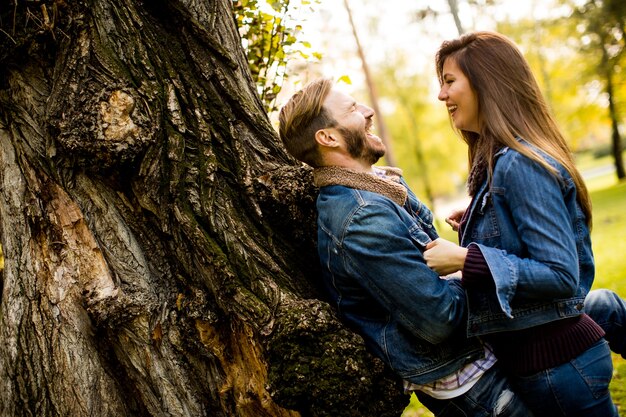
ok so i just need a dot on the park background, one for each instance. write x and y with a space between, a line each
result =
290 42
382 53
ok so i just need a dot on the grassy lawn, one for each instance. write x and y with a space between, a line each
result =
609 246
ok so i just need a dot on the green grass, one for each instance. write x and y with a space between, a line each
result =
618 384
415 409
609 247
607 235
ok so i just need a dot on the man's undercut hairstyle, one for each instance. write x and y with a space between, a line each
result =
302 116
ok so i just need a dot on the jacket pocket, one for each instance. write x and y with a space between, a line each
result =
485 225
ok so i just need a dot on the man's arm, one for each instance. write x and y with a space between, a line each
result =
378 248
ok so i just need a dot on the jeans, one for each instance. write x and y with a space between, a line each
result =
577 388
609 310
491 396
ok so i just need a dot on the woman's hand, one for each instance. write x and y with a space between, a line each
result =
454 218
445 257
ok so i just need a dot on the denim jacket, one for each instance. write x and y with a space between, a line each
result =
371 234
533 236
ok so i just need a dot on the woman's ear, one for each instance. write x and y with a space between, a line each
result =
325 137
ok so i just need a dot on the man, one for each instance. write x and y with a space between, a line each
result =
372 232
609 310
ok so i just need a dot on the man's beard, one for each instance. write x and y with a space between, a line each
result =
360 147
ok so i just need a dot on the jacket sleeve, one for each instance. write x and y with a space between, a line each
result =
382 249
546 267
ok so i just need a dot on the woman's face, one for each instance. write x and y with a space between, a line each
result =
460 97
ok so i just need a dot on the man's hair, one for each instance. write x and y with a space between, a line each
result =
302 116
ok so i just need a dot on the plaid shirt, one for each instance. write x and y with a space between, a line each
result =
457 383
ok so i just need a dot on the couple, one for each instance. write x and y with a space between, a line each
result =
511 336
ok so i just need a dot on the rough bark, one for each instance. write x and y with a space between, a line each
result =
158 242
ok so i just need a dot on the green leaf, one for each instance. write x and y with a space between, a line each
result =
270 38
345 79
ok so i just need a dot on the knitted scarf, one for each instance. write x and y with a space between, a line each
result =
389 186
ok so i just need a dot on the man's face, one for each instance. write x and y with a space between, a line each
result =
354 122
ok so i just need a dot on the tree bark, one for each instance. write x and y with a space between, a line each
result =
158 242
616 138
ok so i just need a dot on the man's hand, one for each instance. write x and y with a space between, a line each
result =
445 257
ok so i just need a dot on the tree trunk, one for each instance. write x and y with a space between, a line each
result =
454 9
158 242
616 138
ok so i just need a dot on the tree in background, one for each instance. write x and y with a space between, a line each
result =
476 8
603 26
158 242
271 32
566 76
372 92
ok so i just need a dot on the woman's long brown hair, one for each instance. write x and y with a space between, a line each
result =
510 105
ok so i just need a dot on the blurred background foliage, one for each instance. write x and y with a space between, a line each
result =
271 36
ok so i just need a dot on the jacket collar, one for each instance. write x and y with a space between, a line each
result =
389 185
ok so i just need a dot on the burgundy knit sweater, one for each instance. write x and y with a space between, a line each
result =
528 351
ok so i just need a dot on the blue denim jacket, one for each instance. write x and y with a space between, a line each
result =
532 233
370 243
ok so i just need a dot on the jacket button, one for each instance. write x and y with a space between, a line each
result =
579 306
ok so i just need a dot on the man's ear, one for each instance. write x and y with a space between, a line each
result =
325 138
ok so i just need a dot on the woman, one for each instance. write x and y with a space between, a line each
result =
525 251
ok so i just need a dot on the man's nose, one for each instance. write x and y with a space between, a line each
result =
366 111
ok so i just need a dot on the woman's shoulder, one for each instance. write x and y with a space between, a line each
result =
509 158
513 166
509 155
